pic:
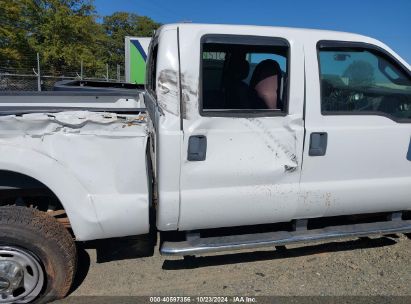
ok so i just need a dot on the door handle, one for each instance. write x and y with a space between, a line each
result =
318 144
197 148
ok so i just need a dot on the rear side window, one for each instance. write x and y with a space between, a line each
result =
243 75
363 81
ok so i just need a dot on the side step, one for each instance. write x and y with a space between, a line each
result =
198 245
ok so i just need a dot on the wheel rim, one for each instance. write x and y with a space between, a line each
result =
21 275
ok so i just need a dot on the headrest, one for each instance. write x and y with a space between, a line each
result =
264 69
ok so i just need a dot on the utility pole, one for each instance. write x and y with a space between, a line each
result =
118 73
107 72
81 69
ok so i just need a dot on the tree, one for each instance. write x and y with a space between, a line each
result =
14 31
121 24
65 33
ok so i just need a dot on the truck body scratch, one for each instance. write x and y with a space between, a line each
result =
283 149
168 93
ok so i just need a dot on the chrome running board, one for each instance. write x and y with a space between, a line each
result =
198 245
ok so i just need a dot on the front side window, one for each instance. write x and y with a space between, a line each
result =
243 77
360 80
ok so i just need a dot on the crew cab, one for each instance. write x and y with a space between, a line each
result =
250 136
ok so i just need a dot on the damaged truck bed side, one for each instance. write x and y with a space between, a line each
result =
250 137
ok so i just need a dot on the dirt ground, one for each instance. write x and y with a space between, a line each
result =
365 266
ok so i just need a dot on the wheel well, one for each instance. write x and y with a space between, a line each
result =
22 190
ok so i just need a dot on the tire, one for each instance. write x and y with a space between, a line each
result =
42 243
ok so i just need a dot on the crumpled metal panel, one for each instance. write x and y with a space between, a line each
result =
94 162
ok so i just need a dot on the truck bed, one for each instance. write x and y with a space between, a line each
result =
17 102
89 149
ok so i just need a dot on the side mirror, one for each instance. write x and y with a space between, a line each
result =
391 73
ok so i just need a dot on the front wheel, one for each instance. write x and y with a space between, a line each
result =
37 256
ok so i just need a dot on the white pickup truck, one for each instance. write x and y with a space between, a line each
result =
252 136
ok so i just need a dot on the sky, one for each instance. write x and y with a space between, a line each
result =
388 21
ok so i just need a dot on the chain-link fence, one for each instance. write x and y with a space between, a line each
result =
28 74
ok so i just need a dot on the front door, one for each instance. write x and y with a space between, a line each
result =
242 147
358 132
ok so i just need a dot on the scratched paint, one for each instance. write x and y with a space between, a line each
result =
255 173
168 95
283 148
168 92
189 89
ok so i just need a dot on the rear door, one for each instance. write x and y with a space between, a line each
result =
241 161
358 126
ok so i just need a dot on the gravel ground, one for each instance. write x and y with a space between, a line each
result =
366 266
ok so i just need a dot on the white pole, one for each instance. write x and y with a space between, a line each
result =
38 73
118 72
107 72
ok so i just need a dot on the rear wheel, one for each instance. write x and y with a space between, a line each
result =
37 256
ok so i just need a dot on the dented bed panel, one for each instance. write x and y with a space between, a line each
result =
93 162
